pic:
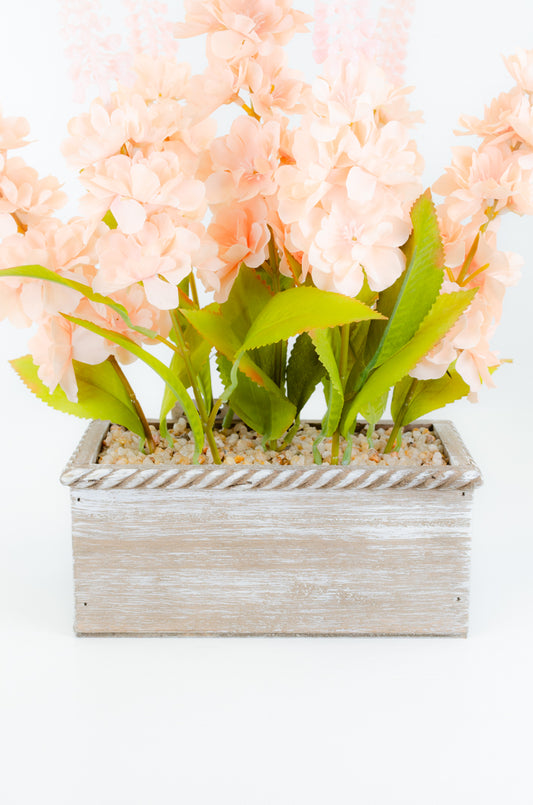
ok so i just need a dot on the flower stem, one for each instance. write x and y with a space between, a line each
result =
401 413
194 290
343 371
196 389
136 404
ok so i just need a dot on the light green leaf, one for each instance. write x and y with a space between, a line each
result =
443 315
172 381
264 408
428 396
409 300
322 340
373 411
302 309
210 323
101 394
304 371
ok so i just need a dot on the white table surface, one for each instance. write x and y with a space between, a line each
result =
252 721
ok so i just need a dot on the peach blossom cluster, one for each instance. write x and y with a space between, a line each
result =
478 187
31 234
354 173
140 154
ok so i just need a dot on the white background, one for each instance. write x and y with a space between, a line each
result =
272 721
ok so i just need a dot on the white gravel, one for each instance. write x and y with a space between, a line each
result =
238 445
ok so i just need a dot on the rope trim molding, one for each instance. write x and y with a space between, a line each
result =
82 471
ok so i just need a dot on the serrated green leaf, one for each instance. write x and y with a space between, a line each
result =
264 408
302 309
446 309
101 394
334 392
173 382
408 301
428 395
304 371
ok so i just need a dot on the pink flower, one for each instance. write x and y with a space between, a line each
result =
63 248
96 135
242 236
244 161
520 65
13 131
349 246
273 87
132 188
478 179
239 28
159 255
24 193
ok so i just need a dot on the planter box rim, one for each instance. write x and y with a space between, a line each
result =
82 471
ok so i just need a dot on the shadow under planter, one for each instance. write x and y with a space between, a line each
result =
271 550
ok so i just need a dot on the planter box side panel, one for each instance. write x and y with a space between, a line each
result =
276 562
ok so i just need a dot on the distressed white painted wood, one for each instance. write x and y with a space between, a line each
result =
271 550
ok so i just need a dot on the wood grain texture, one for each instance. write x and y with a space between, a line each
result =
234 559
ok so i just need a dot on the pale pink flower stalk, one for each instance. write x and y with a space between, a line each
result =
150 32
93 52
347 31
321 32
391 37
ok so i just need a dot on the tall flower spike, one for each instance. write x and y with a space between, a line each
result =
321 32
392 36
150 32
91 50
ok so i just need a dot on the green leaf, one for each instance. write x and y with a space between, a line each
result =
373 411
428 396
210 323
247 298
172 381
41 273
101 394
408 301
304 371
264 408
442 316
322 340
302 309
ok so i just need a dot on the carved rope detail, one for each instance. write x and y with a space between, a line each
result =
83 473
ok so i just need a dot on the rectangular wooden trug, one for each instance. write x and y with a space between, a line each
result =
314 551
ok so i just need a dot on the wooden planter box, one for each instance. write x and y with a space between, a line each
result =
261 550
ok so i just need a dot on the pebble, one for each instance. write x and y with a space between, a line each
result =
237 445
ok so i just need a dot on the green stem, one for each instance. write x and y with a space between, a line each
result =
195 388
194 290
228 419
273 259
135 402
343 371
401 414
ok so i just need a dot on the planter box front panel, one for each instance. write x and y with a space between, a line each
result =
219 551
